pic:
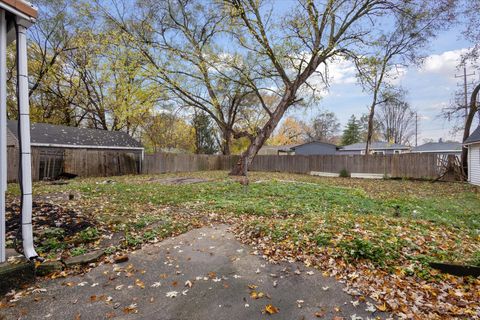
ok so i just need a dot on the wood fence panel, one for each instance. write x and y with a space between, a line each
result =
409 165
12 164
83 162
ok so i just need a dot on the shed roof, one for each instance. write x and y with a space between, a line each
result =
439 147
43 134
375 146
474 137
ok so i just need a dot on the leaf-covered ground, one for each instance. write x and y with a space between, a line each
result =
376 235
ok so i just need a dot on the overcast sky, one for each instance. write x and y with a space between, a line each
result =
430 88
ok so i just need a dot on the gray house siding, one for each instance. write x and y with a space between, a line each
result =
315 148
376 147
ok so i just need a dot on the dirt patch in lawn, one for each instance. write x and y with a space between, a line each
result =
57 197
178 181
45 218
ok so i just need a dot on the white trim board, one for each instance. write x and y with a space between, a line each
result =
324 174
438 151
53 145
368 175
352 175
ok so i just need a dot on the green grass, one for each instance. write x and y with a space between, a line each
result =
438 221
285 198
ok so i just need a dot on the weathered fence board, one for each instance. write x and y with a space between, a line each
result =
170 162
408 165
80 162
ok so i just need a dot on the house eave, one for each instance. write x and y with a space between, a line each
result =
470 143
375 149
438 151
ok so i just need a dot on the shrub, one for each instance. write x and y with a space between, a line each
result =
475 261
58 233
364 249
322 239
344 173
78 251
89 234
51 244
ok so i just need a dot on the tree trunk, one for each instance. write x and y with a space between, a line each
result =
226 143
241 168
468 124
370 125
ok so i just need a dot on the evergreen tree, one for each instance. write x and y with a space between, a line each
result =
353 132
205 142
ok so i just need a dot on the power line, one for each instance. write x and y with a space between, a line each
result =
465 85
416 129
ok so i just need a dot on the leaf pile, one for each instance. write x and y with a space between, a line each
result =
47 216
381 258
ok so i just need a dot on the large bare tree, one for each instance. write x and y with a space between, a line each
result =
396 46
212 55
396 118
324 127
290 50
183 42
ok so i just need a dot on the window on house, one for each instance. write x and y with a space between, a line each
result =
378 152
397 151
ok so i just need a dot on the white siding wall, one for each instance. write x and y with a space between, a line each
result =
474 164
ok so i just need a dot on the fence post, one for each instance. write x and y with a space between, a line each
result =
3 129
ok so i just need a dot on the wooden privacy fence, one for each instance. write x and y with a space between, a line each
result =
49 163
172 162
91 163
408 165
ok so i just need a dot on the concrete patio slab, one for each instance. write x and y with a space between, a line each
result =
203 274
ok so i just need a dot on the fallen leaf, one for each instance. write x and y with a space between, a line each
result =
382 308
131 308
139 283
320 314
256 295
270 309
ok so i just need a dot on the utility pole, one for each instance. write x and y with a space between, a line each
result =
465 87
416 129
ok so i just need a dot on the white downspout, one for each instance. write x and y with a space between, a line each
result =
25 150
3 129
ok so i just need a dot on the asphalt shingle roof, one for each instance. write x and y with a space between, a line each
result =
374 146
43 133
438 146
312 142
474 137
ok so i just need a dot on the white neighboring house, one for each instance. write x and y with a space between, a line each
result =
473 145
